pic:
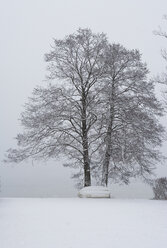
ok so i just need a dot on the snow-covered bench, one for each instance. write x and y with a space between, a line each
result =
94 192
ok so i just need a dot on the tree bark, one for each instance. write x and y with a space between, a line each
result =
87 176
106 162
107 157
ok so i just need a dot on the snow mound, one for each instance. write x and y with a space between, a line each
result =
94 192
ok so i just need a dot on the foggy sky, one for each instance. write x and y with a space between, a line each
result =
27 29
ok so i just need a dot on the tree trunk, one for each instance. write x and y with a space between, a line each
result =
87 176
107 157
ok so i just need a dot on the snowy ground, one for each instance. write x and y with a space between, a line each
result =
82 223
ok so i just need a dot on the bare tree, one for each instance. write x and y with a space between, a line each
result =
60 118
98 109
130 128
163 34
160 188
162 79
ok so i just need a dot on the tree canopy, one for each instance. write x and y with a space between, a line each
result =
98 109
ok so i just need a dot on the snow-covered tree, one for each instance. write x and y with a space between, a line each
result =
162 79
163 34
160 188
97 109
130 131
60 118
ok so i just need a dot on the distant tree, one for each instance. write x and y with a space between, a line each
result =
130 130
163 77
60 118
160 188
162 33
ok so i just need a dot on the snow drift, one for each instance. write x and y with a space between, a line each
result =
94 192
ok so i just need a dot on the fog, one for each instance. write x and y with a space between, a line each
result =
27 31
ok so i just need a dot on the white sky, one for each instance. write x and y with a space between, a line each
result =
26 31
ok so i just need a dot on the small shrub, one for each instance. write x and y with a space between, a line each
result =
160 188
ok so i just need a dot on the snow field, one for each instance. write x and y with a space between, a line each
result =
82 223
